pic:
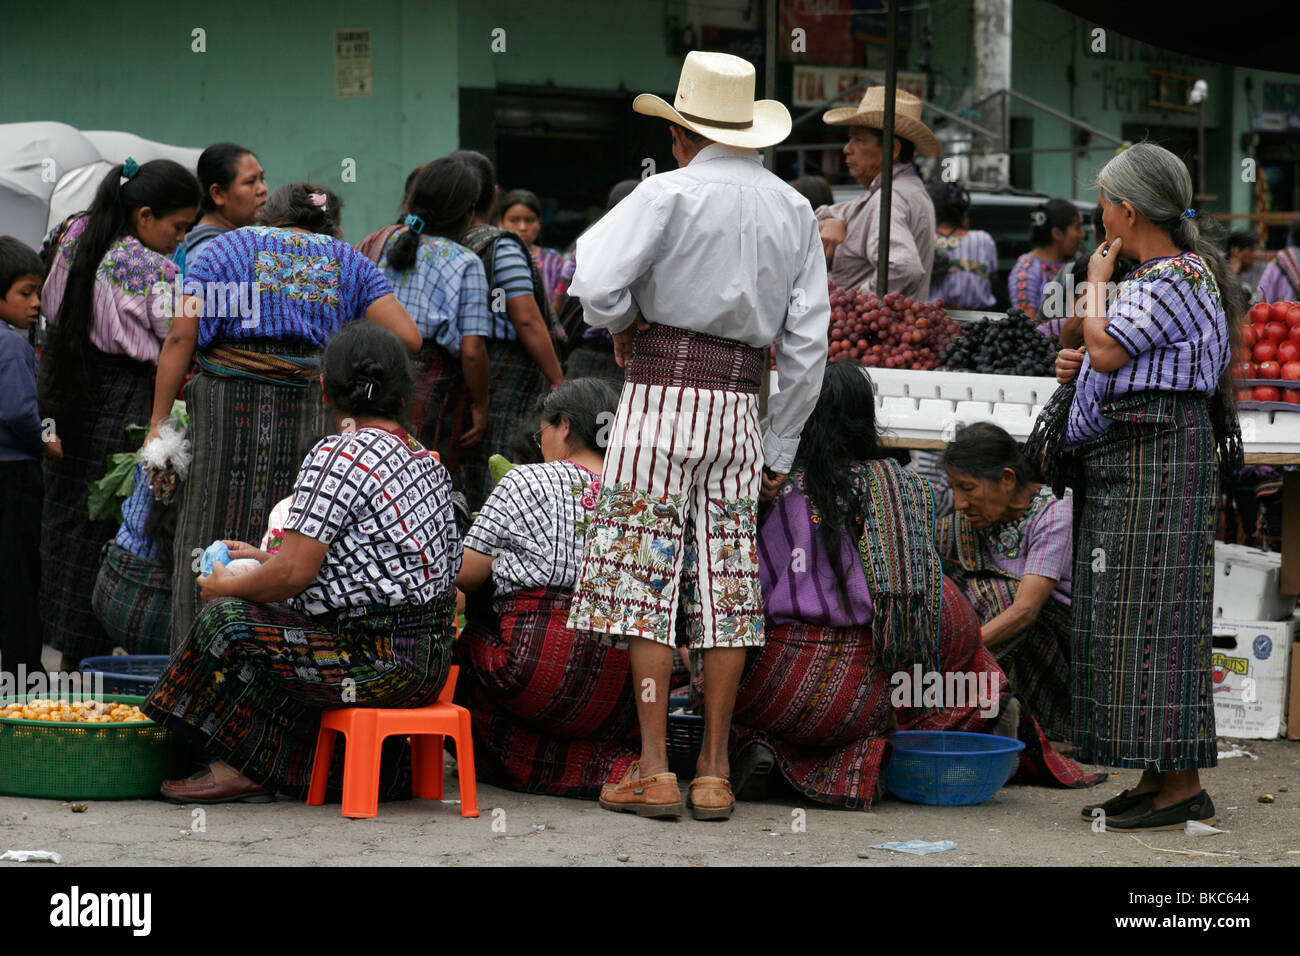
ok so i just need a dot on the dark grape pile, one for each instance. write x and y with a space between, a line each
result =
1010 346
889 332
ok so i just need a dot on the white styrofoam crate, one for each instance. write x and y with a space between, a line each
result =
1246 584
1251 673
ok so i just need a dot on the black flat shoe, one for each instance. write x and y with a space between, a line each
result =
751 774
1146 817
1115 806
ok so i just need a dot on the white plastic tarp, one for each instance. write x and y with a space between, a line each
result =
51 170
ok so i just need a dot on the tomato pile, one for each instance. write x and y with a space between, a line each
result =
1270 350
893 332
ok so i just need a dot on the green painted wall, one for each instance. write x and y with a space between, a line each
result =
569 43
266 80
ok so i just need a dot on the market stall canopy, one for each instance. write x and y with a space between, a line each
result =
1260 34
50 170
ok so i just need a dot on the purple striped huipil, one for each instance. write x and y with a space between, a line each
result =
1274 286
1028 277
1046 548
1169 317
795 570
969 283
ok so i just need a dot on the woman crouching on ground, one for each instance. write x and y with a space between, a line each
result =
551 712
367 576
1010 544
855 599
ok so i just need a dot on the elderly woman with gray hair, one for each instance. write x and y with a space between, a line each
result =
1148 426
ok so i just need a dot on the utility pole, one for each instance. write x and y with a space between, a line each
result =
992 41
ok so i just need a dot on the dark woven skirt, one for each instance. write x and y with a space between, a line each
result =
440 415
552 711
250 681
1144 587
588 361
20 583
249 440
133 598
119 393
817 699
1037 660
515 383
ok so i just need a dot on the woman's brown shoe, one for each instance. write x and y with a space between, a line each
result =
655 796
205 788
710 798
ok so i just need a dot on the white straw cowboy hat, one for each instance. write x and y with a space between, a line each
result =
871 113
715 98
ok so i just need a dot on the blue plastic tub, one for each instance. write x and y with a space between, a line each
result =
127 673
949 768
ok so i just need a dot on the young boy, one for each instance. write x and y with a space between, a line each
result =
21 445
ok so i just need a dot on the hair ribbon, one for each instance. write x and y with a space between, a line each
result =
129 168
1189 214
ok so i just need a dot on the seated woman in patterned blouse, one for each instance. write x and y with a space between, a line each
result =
552 711
366 575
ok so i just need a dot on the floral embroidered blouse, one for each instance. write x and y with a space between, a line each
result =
132 297
534 523
1028 278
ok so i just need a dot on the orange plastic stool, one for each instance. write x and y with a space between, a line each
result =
364 730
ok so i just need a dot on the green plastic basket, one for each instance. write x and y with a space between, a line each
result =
81 761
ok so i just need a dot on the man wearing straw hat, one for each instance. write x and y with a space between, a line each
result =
851 230
696 273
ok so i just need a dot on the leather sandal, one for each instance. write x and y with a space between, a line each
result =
655 796
710 798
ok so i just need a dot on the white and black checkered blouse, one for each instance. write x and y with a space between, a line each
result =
384 508
534 523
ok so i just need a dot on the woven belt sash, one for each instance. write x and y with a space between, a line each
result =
272 368
668 356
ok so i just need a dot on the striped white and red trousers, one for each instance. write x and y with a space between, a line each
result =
673 541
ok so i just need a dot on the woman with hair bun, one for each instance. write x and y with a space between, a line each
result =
357 605
234 192
1056 229
552 711
108 304
444 287
261 304
1149 430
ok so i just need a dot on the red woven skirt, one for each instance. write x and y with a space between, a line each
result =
817 700
552 711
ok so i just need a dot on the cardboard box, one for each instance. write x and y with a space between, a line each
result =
1293 705
1291 532
1252 671
1246 584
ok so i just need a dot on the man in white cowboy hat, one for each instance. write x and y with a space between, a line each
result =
696 273
851 230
